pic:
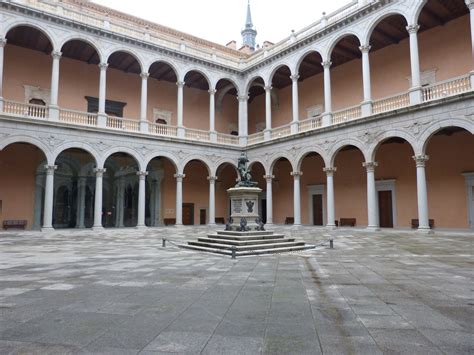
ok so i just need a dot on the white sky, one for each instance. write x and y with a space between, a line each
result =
222 20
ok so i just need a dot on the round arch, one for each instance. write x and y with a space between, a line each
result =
345 143
252 80
164 61
372 25
106 155
81 38
77 145
222 163
374 147
168 156
232 81
199 159
205 76
275 159
127 51
261 162
336 40
302 156
34 25
439 126
274 70
33 141
306 54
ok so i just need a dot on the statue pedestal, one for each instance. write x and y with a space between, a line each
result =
244 204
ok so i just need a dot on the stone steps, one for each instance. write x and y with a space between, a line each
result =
246 243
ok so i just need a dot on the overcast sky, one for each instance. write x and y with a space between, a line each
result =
222 20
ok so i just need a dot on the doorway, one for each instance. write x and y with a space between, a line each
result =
385 209
202 217
188 214
318 210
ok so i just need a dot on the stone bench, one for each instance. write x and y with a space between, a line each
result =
14 223
347 222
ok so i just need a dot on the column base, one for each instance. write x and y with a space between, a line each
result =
243 140
180 132
416 95
295 127
141 227
327 119
373 228
331 226
1 104
296 226
471 76
425 230
98 228
102 120
53 113
47 229
213 136
366 108
267 134
144 126
212 225
80 227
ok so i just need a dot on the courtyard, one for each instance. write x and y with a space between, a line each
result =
121 292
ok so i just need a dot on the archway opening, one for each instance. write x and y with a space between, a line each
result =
196 193
74 189
227 108
257 171
311 86
22 183
282 192
256 105
162 98
281 88
120 191
313 190
226 178
196 101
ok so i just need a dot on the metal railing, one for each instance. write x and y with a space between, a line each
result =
78 117
25 110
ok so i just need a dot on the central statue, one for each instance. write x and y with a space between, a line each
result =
244 172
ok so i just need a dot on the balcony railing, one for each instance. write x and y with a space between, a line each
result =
436 91
78 118
447 88
25 110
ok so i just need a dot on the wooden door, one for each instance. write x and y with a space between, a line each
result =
188 214
385 209
202 216
318 210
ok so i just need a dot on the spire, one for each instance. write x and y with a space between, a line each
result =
248 21
249 33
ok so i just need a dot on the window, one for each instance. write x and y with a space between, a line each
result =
36 111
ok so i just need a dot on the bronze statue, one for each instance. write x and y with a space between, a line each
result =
244 172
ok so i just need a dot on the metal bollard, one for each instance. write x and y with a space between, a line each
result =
331 244
233 249
164 243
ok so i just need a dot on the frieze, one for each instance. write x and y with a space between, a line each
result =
53 141
417 127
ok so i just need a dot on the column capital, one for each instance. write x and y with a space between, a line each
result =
99 172
269 178
212 179
212 92
370 165
421 160
3 42
365 48
179 177
145 75
296 174
56 54
470 4
268 88
142 174
180 84
295 77
413 29
103 66
50 169
330 170
244 98
326 64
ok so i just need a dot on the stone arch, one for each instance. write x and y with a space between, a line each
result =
275 159
198 158
221 163
23 22
124 50
438 126
252 80
418 8
304 55
275 69
232 81
210 84
344 143
164 61
165 155
374 147
334 42
78 145
300 158
33 141
81 38
372 25
107 154
261 162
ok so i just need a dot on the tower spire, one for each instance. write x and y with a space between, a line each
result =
249 33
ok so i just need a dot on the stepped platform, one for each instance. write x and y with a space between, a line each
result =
246 243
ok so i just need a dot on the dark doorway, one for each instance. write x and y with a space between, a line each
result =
202 216
264 211
385 209
318 210
188 214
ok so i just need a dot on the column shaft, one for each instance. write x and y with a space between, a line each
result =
268 107
102 87
330 196
179 198
269 179
55 79
371 195
49 198
422 193
327 87
3 42
296 197
99 173
212 110
144 96
180 102
366 72
295 98
212 200
415 90
243 118
470 5
81 202
141 198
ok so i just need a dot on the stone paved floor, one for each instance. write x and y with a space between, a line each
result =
120 292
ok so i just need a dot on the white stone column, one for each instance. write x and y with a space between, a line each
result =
3 43
141 198
470 5
181 132
243 119
296 197
373 223
81 201
39 183
144 103
212 115
268 112
179 198
327 115
415 90
330 196
102 117
269 179
99 175
155 208
366 105
49 198
212 200
53 105
295 106
422 193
